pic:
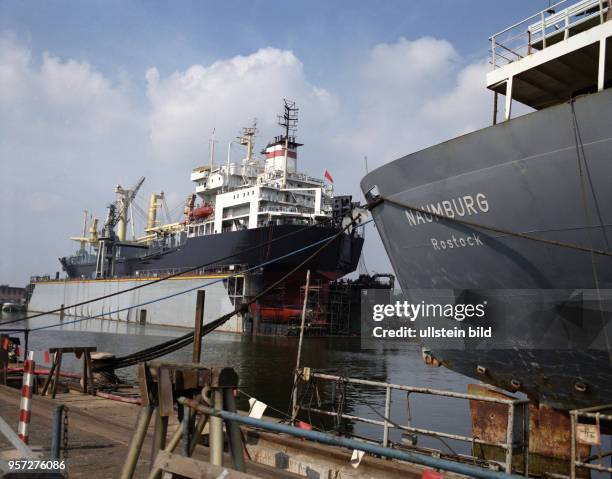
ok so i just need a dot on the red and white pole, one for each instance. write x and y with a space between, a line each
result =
26 397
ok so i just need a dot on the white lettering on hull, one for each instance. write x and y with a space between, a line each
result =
468 205
453 242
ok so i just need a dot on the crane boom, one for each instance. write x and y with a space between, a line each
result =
125 196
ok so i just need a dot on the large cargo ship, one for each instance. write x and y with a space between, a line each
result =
241 215
517 216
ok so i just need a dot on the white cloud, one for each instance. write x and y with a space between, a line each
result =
466 107
413 94
406 63
187 105
67 135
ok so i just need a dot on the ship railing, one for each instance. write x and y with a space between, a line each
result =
210 269
540 30
587 426
517 425
278 174
305 177
280 209
34 279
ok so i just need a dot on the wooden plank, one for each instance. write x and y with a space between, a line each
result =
164 393
85 378
58 359
87 354
193 469
49 377
199 322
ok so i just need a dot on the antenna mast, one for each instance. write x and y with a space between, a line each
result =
288 120
246 139
212 149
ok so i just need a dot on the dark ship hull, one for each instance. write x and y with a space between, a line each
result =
549 305
236 249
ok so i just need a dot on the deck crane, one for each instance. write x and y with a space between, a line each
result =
125 196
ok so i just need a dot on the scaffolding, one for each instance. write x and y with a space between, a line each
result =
340 308
588 425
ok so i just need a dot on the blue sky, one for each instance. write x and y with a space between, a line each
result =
131 36
98 93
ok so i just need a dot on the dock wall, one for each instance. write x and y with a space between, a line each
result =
175 311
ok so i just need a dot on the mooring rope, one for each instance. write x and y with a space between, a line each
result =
173 275
495 229
580 149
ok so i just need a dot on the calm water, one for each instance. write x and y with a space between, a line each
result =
265 365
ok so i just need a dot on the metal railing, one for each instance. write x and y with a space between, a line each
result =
518 410
536 32
350 444
586 430
219 268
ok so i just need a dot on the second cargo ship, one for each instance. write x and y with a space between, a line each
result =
231 223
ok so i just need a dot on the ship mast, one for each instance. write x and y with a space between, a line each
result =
212 142
246 139
288 120
82 239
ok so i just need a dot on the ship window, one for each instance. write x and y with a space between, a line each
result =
239 287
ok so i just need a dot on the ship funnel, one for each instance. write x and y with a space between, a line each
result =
281 153
275 156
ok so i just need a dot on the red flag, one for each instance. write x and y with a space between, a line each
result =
327 176
47 358
304 425
5 343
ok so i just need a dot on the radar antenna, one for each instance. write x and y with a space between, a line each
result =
288 120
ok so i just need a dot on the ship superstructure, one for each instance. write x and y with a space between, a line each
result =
539 184
256 193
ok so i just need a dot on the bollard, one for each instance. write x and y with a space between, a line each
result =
26 398
56 432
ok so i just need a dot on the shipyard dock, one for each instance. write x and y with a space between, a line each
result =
182 418
97 434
